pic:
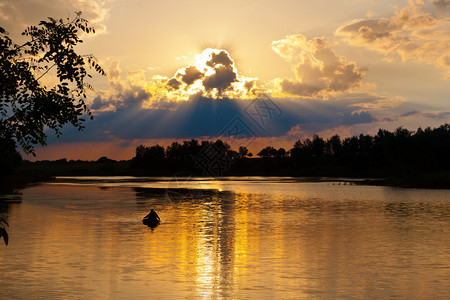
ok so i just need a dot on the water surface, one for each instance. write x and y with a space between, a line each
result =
82 238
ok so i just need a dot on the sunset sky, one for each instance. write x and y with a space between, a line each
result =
276 70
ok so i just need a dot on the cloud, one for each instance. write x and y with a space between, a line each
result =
437 115
371 102
221 80
410 113
191 75
214 74
137 108
414 119
114 71
123 120
318 70
441 3
122 94
208 118
411 33
351 118
15 15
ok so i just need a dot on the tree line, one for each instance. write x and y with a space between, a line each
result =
186 155
400 151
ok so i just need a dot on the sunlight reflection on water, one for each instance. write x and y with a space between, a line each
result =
235 238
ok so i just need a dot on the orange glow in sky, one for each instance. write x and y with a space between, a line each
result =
330 66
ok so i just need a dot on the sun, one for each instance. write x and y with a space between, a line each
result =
202 59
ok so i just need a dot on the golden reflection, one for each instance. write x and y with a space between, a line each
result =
242 225
222 244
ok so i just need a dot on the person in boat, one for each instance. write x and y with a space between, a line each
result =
152 215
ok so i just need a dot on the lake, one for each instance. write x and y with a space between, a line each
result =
237 237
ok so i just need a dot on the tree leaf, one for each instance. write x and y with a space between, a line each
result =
4 234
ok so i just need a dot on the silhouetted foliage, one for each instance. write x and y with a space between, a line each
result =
402 157
388 153
27 106
3 232
268 151
243 152
9 157
104 160
182 156
281 153
149 156
400 151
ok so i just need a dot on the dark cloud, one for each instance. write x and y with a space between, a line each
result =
437 115
410 113
174 83
191 75
249 85
220 80
205 117
99 104
352 118
441 3
221 58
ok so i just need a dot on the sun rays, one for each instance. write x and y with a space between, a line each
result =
213 74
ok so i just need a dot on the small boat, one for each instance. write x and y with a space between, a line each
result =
152 219
151 222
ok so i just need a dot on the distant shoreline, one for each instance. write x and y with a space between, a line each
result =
29 174
401 158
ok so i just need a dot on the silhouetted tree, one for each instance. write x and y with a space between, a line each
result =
243 151
220 144
183 156
400 151
174 151
268 151
9 157
103 160
350 149
302 152
27 106
149 157
382 143
318 149
389 152
281 153
334 149
190 149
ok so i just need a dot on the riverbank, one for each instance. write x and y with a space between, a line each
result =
433 180
32 173
16 181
